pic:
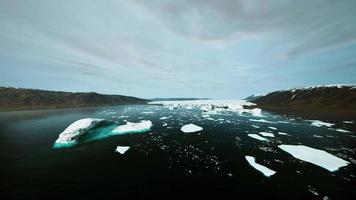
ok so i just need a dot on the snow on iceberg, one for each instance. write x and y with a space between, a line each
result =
266 134
130 127
315 156
319 123
264 170
76 129
191 128
257 137
122 149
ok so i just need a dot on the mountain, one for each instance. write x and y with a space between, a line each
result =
253 97
21 99
325 98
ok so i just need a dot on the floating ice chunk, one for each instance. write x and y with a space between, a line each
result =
265 171
266 134
319 123
191 128
254 126
342 130
257 112
76 129
255 136
130 127
163 118
318 136
262 121
148 112
284 122
122 149
281 133
315 156
273 128
347 122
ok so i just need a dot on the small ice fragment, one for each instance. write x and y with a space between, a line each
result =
122 149
348 122
315 156
254 126
318 136
265 171
273 128
283 122
163 118
266 134
281 133
148 112
191 128
261 120
342 130
130 127
255 136
319 123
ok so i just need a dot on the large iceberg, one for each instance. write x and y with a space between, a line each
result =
191 128
315 156
76 129
265 171
130 127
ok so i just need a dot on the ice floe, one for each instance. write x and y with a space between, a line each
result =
315 156
76 129
130 127
122 149
257 137
319 123
264 170
191 128
266 134
282 133
262 121
342 130
272 128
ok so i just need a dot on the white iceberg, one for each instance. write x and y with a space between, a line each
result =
315 156
266 134
76 129
262 121
130 127
265 171
191 128
319 123
257 137
122 149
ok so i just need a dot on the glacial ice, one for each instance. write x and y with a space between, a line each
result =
264 170
122 149
76 129
130 127
191 128
319 123
266 134
315 156
255 136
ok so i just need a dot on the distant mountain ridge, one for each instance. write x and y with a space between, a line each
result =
22 99
314 98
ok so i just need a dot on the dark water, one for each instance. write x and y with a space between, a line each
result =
165 162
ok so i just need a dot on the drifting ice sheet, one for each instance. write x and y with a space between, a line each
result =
76 129
266 134
191 128
255 136
122 149
130 127
315 156
265 171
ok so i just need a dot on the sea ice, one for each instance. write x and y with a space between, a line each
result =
122 149
315 156
76 129
191 128
265 171
255 136
319 123
130 127
266 134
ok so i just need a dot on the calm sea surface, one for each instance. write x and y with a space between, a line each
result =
165 162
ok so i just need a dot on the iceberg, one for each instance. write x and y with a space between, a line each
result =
315 156
122 149
319 123
77 129
265 171
130 127
255 136
266 134
191 128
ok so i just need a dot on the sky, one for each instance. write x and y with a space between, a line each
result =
176 48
